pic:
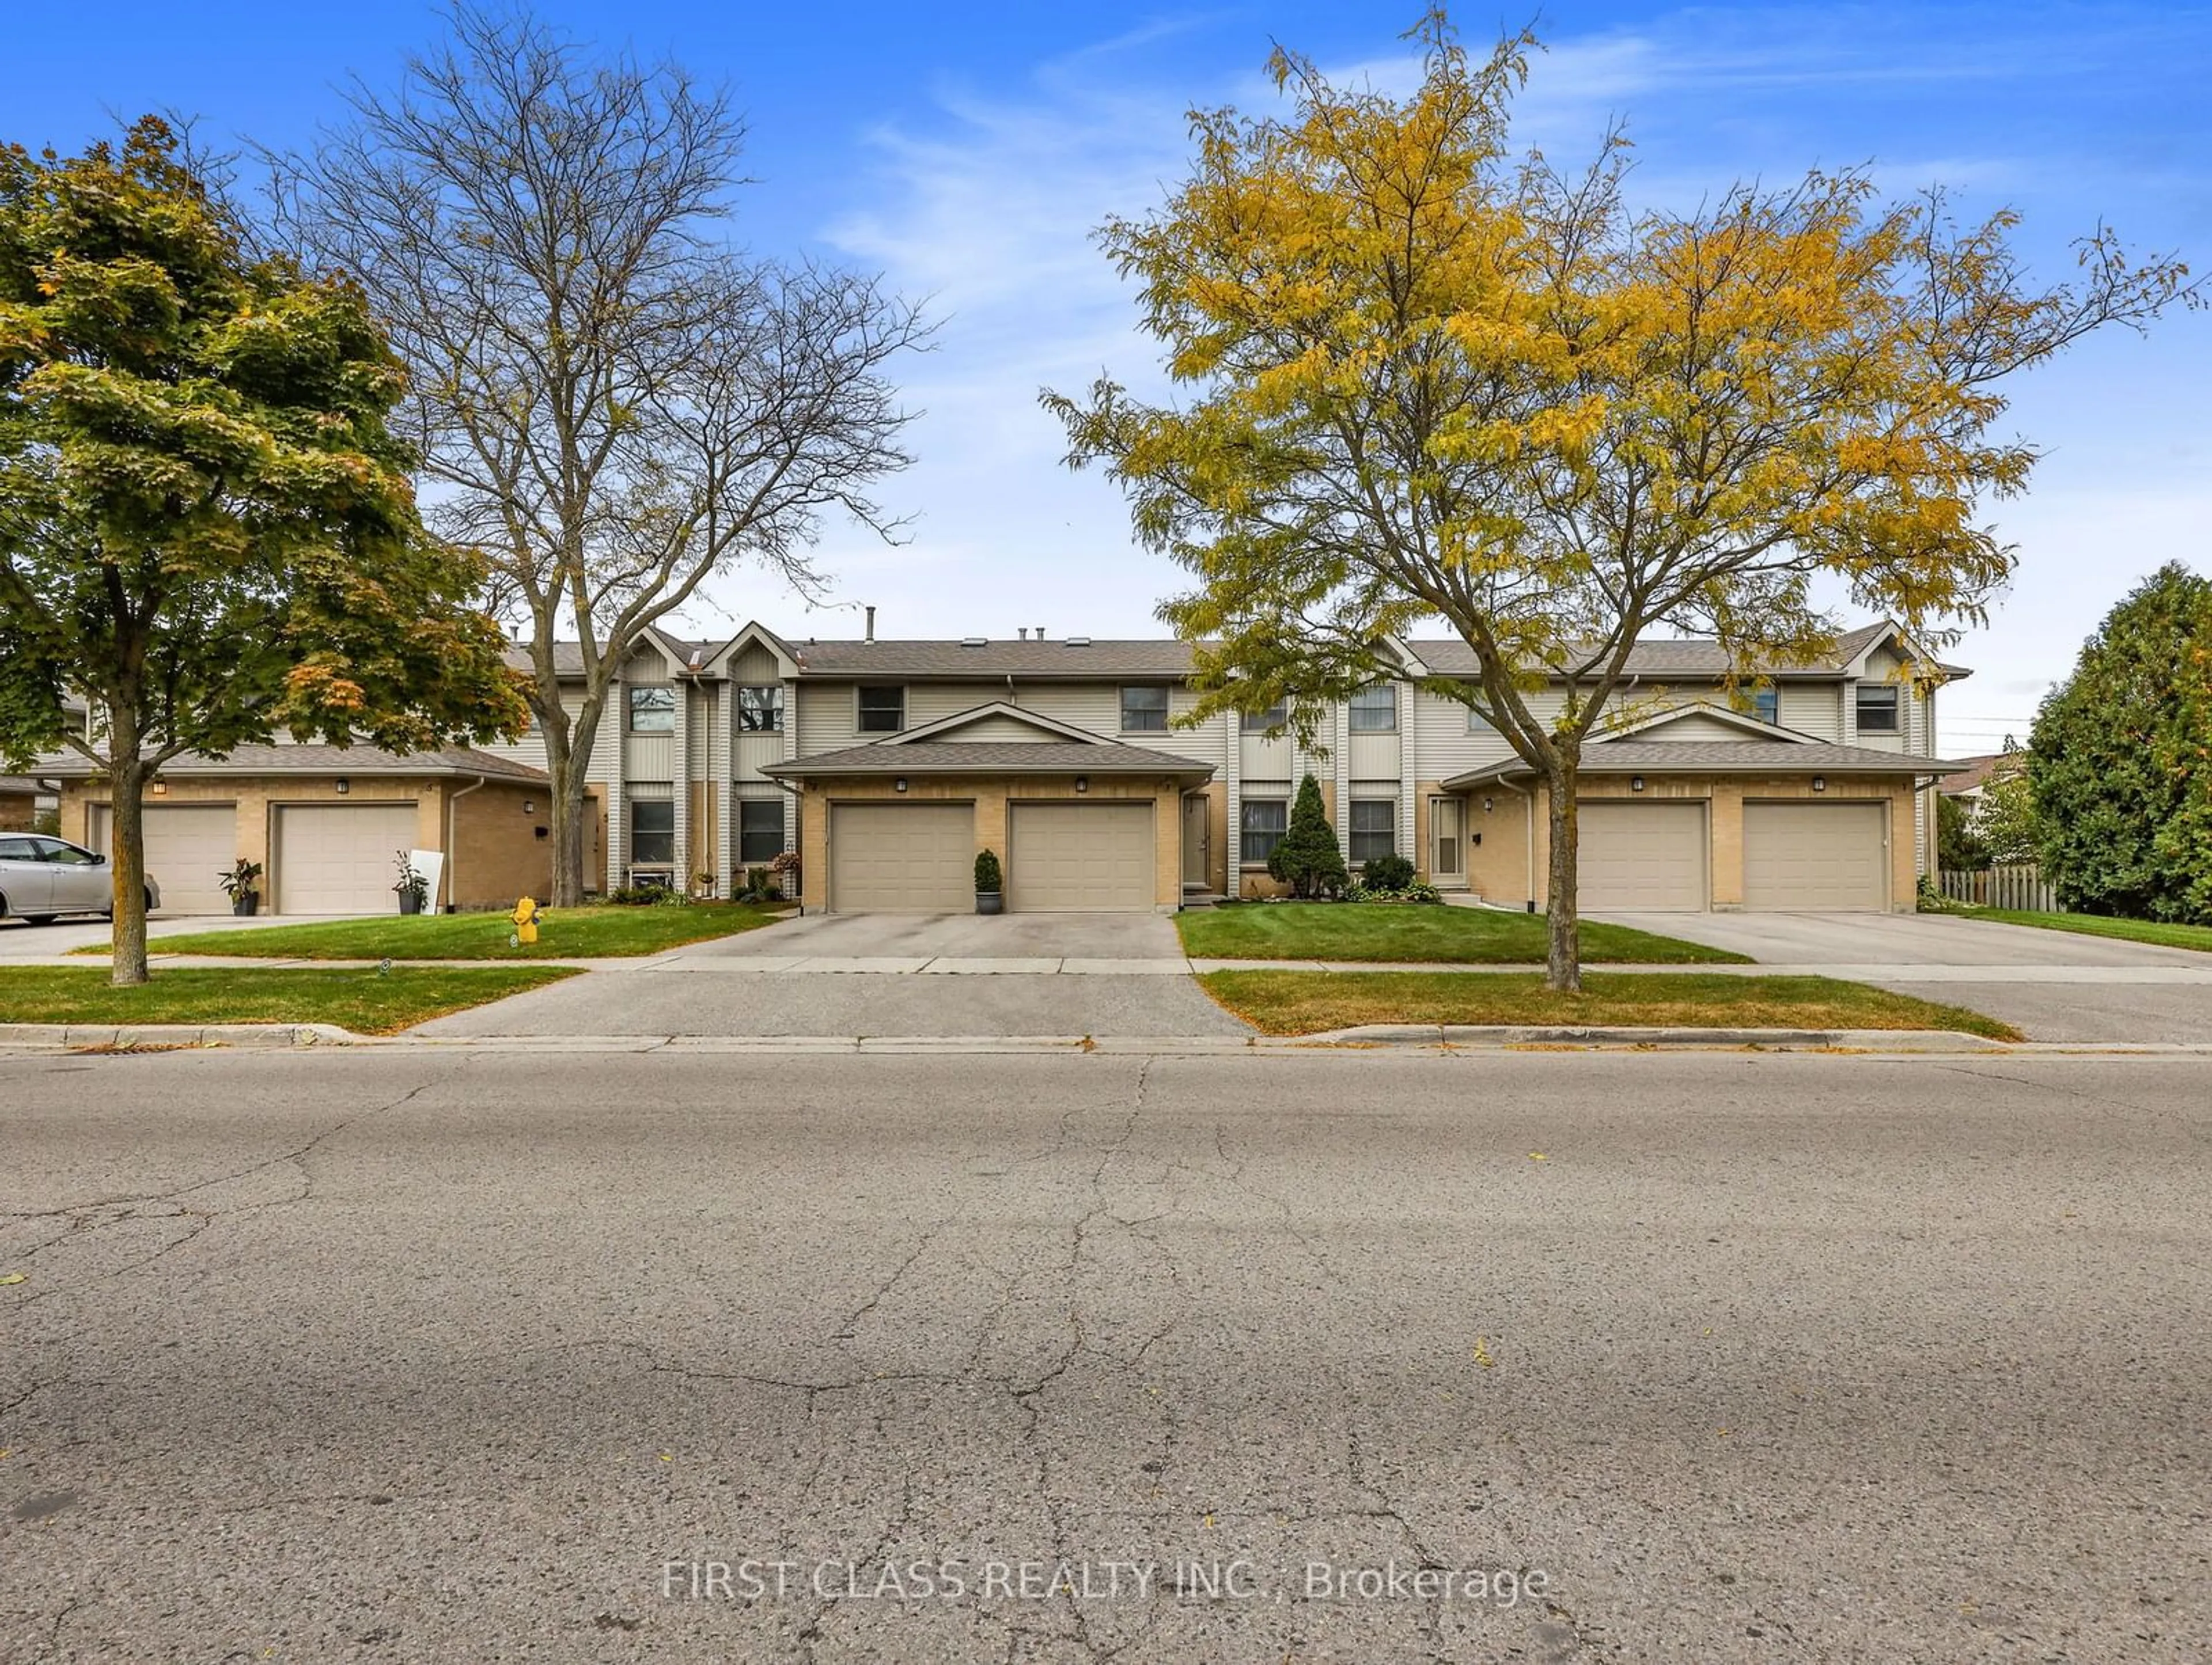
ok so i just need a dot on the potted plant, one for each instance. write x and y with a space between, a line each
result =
412 888
989 881
238 885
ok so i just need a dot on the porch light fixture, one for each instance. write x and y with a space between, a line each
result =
1820 783
1636 783
1486 807
345 786
161 789
1083 783
529 806
899 785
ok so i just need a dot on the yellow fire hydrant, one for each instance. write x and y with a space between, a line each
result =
525 920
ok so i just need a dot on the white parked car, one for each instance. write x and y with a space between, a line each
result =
42 878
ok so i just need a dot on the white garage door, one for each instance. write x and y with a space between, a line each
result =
1815 857
903 858
1642 857
1080 858
340 857
189 847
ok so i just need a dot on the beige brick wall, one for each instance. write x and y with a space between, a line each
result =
992 796
497 854
17 810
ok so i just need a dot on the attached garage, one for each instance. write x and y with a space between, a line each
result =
1815 858
1646 857
340 857
903 858
189 847
1081 858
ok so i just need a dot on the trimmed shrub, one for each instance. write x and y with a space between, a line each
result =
1308 859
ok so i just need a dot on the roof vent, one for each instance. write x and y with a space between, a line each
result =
1023 633
975 641
1078 642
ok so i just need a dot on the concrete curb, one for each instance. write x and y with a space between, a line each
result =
1791 1040
1438 1040
124 1037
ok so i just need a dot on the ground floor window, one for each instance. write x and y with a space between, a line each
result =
1263 821
652 832
1374 828
760 830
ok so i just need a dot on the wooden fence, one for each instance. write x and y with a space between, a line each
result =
2021 887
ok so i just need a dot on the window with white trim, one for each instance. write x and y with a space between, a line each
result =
1144 708
1275 716
1262 823
652 832
1877 707
652 709
760 830
760 708
1374 828
881 708
1766 705
1375 710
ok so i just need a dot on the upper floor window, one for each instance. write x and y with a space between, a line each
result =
882 708
1275 716
1144 706
760 709
653 710
1766 705
1375 710
1877 706
1478 723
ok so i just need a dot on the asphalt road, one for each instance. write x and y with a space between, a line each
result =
418 1356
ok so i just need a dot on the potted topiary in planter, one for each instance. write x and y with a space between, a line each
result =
989 881
238 885
412 888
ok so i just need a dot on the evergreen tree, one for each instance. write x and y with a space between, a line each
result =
1308 859
2120 763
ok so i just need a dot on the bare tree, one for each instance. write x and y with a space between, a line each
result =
610 400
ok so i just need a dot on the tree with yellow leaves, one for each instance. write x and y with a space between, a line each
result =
1434 380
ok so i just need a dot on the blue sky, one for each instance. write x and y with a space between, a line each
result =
967 151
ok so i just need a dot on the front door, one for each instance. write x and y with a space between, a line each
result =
1196 826
1447 841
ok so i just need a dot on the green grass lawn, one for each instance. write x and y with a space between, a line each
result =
1305 1002
597 931
364 1001
1444 935
2198 936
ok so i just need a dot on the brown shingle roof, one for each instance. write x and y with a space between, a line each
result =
1724 758
1978 771
989 757
1700 657
318 759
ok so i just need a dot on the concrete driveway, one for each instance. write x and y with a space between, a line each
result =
19 941
884 975
2055 985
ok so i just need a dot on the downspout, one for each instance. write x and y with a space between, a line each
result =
799 795
453 798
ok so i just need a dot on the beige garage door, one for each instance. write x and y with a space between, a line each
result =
1642 856
1825 858
340 857
903 858
1080 858
189 846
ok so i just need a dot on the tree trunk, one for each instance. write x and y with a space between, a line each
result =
126 787
1563 962
571 819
